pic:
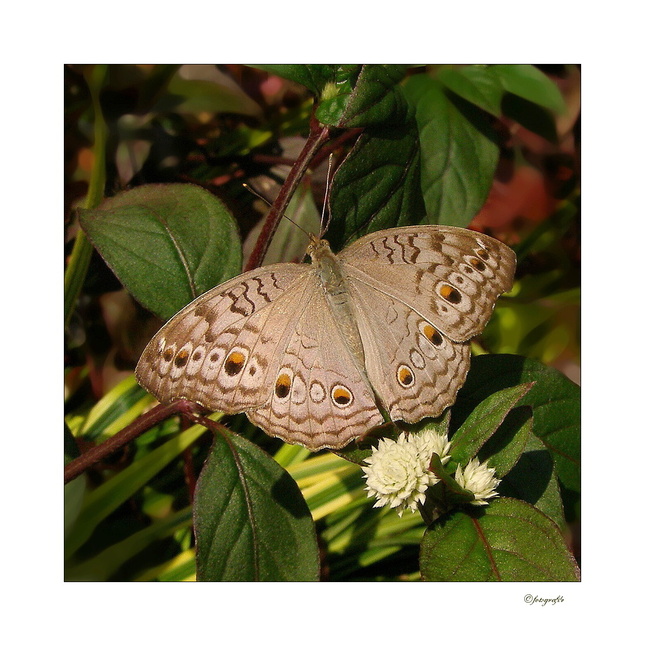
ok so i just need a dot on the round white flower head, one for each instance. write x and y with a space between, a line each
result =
397 472
479 479
429 442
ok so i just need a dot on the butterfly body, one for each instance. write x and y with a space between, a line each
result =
314 353
335 287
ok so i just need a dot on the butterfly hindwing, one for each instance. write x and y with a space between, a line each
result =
415 369
321 396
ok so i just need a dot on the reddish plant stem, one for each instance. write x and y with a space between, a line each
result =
318 136
189 463
189 474
131 432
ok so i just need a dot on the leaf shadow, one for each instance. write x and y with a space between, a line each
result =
487 375
286 493
476 116
529 479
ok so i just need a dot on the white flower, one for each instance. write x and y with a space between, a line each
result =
398 472
479 479
429 442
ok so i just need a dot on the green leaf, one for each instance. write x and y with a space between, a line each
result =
313 77
533 117
528 82
486 85
484 421
507 445
533 479
167 243
555 401
195 95
363 95
251 521
509 540
459 152
475 83
377 186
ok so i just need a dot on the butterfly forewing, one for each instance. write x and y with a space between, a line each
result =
220 349
450 276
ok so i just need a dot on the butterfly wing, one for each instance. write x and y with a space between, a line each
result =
267 344
220 349
415 369
420 293
450 276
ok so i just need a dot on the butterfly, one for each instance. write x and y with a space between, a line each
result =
317 353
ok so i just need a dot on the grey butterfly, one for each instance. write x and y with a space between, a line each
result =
316 353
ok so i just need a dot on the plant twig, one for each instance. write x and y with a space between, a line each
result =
318 136
128 434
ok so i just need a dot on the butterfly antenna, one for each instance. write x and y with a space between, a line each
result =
251 190
325 218
264 199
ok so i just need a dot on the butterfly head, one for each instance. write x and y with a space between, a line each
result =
317 247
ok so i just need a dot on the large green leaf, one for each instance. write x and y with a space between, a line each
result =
475 83
459 152
507 445
531 116
251 521
533 479
555 401
484 421
377 186
486 85
167 243
528 82
509 540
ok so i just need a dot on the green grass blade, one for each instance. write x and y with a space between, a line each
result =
106 498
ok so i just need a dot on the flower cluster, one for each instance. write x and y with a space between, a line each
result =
397 473
479 479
